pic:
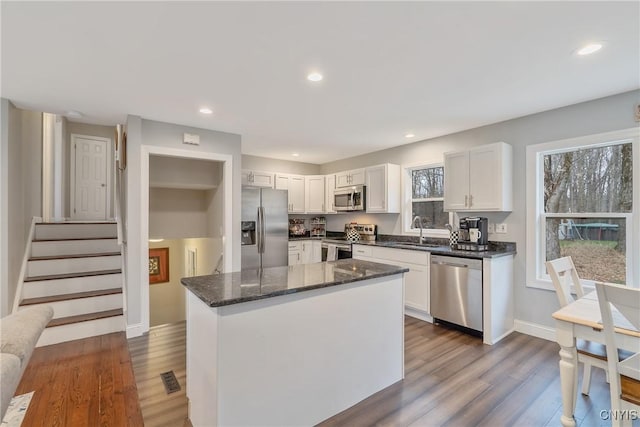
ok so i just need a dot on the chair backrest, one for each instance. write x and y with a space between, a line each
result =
563 274
627 302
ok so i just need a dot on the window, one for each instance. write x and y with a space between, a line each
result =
424 197
581 204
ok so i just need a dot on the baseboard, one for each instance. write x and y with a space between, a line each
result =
418 314
535 330
134 330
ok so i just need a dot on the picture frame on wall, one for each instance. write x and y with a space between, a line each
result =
158 265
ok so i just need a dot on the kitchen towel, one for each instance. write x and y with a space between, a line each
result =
332 252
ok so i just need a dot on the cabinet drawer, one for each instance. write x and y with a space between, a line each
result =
361 250
401 255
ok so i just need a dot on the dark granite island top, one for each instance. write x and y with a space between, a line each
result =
249 285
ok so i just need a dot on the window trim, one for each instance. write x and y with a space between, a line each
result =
536 276
407 200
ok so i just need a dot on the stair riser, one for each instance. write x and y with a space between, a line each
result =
46 288
74 247
83 305
80 330
72 265
71 231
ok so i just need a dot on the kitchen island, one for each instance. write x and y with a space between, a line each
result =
292 345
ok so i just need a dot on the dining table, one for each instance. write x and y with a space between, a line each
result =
581 319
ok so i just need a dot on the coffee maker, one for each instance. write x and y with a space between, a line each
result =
473 235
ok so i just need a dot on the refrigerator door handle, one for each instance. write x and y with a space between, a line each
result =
261 230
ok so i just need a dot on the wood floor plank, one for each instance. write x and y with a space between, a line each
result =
87 382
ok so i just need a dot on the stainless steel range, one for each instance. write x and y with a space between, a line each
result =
352 233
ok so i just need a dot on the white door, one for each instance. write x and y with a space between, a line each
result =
90 185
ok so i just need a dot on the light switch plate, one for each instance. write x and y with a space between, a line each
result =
501 228
491 228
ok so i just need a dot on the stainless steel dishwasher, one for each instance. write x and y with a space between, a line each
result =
456 291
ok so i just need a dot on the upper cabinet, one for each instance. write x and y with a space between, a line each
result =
257 179
314 193
352 177
295 185
383 188
479 179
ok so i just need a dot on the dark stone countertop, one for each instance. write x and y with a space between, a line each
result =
496 249
248 285
306 237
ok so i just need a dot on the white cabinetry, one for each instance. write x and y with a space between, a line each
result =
305 252
416 281
352 177
295 185
479 179
329 190
257 179
295 253
383 188
314 193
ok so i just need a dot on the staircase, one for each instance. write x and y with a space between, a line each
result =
76 268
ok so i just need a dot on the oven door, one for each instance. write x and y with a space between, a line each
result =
343 252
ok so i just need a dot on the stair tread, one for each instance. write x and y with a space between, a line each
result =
51 257
85 317
72 275
73 296
71 239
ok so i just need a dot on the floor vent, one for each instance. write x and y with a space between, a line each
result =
170 382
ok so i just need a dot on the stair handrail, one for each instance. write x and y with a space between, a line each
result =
120 235
25 259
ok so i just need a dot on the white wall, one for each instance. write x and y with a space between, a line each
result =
601 115
175 214
144 135
167 300
265 164
20 192
185 173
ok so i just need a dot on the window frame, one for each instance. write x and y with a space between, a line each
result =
407 199
536 276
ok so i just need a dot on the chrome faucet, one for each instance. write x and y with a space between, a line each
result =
417 217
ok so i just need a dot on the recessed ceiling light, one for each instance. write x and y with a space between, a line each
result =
74 114
409 135
314 77
295 154
205 110
155 240
590 48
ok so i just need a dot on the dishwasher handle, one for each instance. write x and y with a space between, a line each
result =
471 263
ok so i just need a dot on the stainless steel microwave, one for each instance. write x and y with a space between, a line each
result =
349 199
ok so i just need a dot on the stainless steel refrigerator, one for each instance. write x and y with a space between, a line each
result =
265 228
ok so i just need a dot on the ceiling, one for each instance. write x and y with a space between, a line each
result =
390 68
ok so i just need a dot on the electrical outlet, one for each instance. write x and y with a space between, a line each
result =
501 228
491 228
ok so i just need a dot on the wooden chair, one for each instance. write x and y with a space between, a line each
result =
624 375
563 274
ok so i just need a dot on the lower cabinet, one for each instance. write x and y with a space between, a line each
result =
416 281
305 251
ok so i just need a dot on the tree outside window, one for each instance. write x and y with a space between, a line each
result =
587 209
427 197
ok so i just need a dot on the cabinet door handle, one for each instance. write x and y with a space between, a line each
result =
466 198
470 200
298 256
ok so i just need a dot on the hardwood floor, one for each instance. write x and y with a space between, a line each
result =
453 379
450 379
87 382
162 349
